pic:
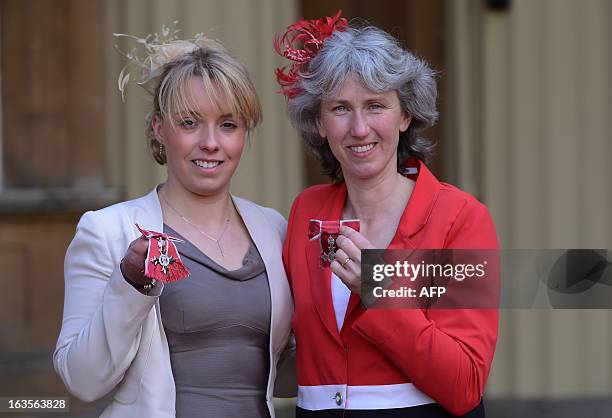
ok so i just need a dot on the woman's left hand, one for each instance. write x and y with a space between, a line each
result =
347 264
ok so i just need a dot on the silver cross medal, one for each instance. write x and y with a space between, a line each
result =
164 260
331 253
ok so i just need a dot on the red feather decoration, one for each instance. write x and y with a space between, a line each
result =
309 36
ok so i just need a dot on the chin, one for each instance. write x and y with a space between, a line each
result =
363 172
207 188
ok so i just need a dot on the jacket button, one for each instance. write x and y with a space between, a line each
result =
338 398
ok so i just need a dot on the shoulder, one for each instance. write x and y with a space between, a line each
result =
318 191
471 224
452 197
144 210
116 222
271 215
108 215
442 199
312 197
145 202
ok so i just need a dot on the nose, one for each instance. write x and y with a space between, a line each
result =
359 125
208 139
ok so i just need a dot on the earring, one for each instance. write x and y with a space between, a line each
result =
161 150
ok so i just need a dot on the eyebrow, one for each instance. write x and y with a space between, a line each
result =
370 99
188 113
196 113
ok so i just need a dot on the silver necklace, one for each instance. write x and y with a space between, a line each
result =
210 237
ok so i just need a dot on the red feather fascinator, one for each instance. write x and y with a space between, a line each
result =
300 43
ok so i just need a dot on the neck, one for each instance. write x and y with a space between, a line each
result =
369 198
176 198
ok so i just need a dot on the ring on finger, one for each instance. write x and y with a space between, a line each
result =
345 261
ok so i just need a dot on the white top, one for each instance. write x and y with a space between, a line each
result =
340 297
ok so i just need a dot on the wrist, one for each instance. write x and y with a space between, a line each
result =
140 286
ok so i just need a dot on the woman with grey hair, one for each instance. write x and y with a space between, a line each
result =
360 102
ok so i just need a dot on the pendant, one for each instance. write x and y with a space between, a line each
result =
164 261
220 250
330 255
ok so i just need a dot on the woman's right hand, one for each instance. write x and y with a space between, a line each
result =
132 265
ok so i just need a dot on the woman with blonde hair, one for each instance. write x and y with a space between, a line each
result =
213 344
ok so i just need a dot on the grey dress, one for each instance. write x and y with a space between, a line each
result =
218 326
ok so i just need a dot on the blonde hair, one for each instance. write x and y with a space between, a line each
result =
222 76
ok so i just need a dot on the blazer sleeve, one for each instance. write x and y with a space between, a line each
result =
446 353
103 315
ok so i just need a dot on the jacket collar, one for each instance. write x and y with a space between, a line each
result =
419 207
147 213
414 217
417 210
256 223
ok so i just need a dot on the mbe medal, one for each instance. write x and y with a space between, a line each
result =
163 261
326 232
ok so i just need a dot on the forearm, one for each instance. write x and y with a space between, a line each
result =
449 361
93 353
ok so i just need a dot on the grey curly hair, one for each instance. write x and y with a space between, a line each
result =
381 64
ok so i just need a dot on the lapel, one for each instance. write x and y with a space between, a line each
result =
147 214
413 219
320 277
419 208
259 229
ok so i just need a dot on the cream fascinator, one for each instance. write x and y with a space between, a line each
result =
158 49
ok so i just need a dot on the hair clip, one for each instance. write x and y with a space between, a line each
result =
159 49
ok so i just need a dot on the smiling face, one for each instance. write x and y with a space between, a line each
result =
203 146
362 128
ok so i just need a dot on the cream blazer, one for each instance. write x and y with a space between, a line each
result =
112 336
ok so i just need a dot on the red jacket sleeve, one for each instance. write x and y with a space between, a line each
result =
446 353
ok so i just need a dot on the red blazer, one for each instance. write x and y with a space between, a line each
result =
445 354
